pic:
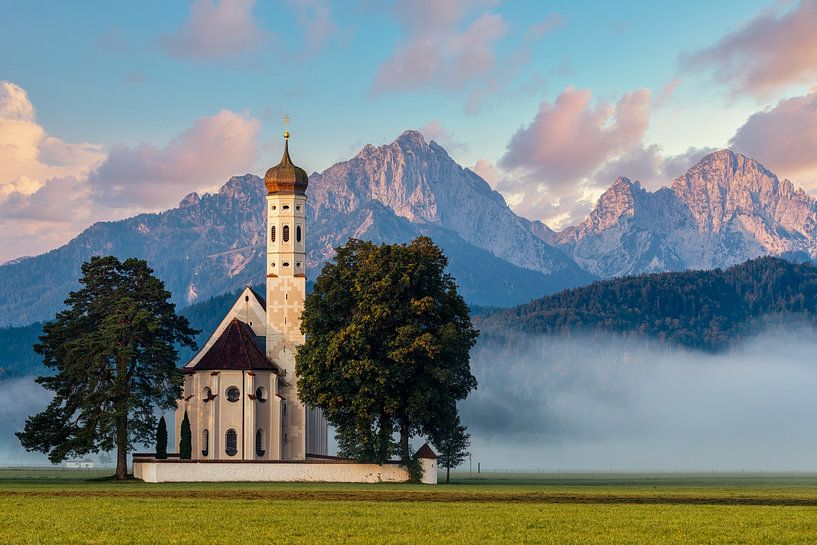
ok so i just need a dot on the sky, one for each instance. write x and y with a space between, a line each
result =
112 108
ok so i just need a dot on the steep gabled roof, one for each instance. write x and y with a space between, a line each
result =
237 349
261 300
426 452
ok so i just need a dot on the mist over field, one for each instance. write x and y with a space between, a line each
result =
19 398
609 403
606 403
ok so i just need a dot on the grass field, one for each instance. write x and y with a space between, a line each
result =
64 507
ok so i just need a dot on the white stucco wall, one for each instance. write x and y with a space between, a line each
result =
171 472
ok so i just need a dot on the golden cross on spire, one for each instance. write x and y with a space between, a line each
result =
286 123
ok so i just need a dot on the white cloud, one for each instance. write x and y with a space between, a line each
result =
29 157
50 189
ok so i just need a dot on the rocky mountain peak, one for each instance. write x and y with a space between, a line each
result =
725 185
617 202
191 199
725 209
412 138
242 187
422 184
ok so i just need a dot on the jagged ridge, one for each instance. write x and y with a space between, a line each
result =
726 209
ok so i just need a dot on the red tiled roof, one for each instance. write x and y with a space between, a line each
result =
426 452
237 349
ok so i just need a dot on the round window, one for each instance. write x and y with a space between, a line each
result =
233 394
259 394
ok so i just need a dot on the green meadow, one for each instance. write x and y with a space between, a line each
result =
65 507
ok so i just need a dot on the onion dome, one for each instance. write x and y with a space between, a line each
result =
286 177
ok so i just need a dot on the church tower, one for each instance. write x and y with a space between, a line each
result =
286 186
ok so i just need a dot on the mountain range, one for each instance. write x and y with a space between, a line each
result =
726 209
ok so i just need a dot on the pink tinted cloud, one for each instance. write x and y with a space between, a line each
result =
453 46
784 138
772 51
436 50
570 138
216 30
149 176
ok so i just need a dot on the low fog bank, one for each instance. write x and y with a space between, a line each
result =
19 398
582 403
612 403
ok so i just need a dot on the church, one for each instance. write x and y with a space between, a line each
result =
240 390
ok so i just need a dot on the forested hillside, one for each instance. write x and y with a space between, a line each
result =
707 310
699 309
17 357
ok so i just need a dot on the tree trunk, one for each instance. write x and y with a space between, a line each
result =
447 474
404 443
122 447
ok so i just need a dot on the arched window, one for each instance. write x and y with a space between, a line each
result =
272 234
233 394
260 394
259 443
286 233
206 394
298 233
231 442
205 443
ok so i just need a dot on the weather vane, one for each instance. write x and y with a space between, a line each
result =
286 124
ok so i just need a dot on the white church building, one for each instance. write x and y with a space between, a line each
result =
240 390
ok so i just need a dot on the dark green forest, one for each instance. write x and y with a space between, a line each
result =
17 358
707 310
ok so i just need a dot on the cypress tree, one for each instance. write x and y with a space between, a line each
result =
186 443
161 439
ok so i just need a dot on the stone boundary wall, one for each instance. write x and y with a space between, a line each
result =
177 471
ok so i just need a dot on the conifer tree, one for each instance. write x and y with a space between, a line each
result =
113 353
186 441
161 439
452 442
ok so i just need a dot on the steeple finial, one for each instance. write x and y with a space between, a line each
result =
286 129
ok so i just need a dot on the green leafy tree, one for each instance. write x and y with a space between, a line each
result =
186 440
387 346
113 353
161 439
452 442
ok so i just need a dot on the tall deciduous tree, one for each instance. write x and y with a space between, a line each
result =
387 346
113 353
